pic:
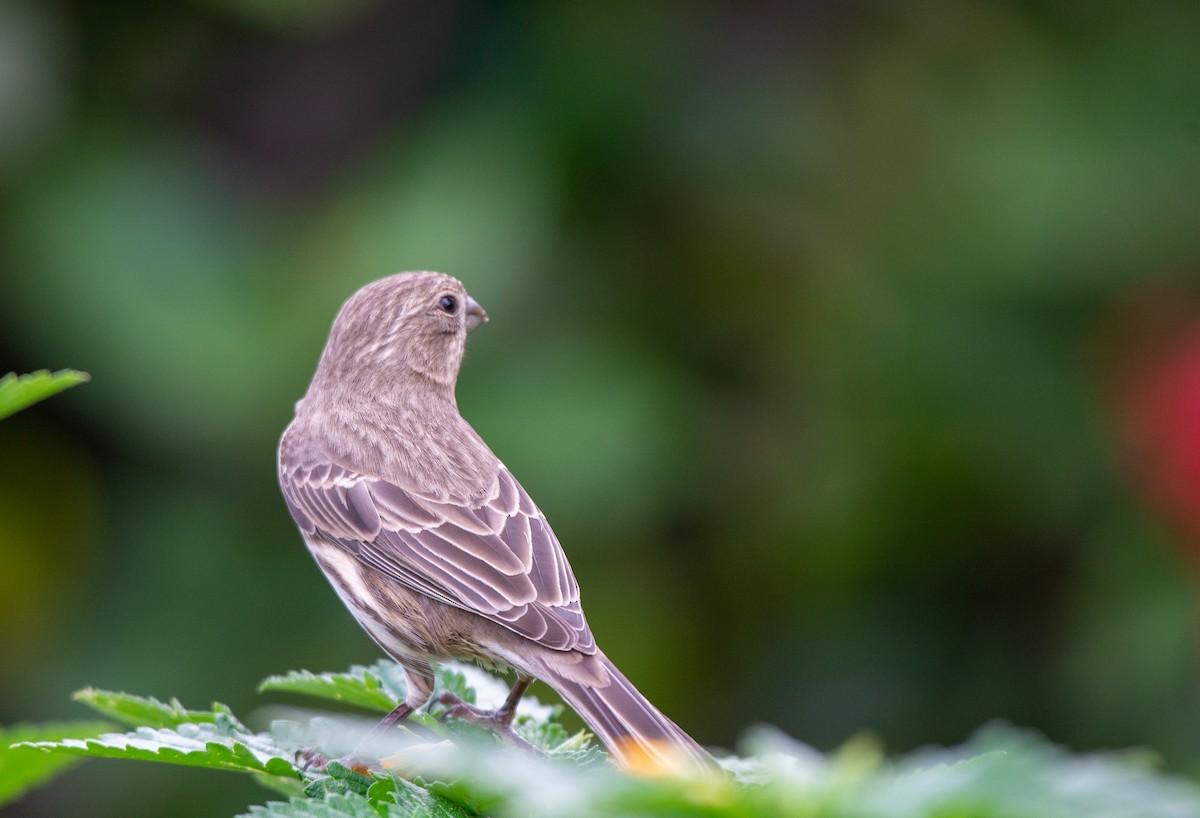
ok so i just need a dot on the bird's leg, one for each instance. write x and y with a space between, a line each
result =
508 710
355 760
312 760
499 720
399 713
419 682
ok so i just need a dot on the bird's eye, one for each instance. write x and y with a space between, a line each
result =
449 304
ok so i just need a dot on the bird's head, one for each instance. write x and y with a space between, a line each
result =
404 332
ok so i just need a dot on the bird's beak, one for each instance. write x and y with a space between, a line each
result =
475 314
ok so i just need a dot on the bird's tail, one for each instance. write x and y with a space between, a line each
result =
640 738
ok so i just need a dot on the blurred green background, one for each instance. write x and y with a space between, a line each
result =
852 348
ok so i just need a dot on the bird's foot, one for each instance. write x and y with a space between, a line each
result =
494 719
358 764
310 761
499 721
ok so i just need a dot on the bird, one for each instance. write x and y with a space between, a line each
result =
427 537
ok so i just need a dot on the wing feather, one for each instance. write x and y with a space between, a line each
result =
508 495
498 558
517 537
399 509
490 548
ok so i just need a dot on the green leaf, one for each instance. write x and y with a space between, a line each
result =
1004 771
414 800
385 792
391 798
1000 772
379 687
332 806
339 779
286 786
553 739
143 711
20 391
217 746
22 768
382 685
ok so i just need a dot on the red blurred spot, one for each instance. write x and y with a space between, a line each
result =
1159 409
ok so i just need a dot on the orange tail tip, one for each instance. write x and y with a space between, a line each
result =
657 758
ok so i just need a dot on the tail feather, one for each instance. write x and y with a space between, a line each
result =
639 736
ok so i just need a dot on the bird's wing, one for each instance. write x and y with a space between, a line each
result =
498 558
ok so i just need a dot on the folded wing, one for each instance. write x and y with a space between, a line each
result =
497 558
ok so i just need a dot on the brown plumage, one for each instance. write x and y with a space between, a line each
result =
428 539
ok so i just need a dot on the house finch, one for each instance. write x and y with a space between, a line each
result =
425 535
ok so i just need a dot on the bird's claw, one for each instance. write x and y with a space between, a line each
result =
499 721
310 761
